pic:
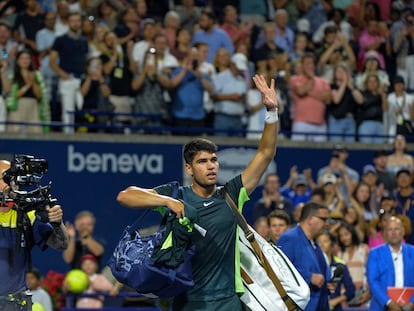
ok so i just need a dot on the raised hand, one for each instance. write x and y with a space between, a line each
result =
269 97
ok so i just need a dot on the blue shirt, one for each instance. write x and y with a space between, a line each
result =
218 38
44 40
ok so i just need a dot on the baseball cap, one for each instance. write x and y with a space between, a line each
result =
88 256
369 169
380 153
240 61
340 148
403 170
387 195
300 180
329 179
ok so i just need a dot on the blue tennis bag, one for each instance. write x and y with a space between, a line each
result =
132 261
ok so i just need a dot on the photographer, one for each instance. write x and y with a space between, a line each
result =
20 231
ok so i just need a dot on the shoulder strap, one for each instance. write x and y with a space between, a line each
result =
241 221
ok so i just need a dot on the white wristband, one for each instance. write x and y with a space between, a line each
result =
272 116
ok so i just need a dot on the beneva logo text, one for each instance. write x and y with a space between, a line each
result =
124 163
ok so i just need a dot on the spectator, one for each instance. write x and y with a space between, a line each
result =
390 265
341 290
82 240
88 30
306 254
107 14
301 48
354 254
400 158
212 35
405 197
262 228
182 47
149 98
229 95
285 37
371 66
171 26
141 47
361 198
189 14
370 112
222 60
119 67
68 60
370 177
298 187
62 18
39 295
337 18
27 101
376 235
8 47
239 33
166 62
189 84
400 111
342 109
253 12
98 283
315 12
349 177
271 199
127 28
96 93
278 222
44 42
384 176
333 197
311 94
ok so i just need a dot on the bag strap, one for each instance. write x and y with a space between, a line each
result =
177 189
241 221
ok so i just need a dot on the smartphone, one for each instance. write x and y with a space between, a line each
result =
195 64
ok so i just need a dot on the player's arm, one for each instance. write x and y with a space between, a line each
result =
267 145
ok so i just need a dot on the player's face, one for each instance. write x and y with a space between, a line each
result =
204 168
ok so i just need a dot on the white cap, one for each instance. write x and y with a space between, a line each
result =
329 179
240 61
303 25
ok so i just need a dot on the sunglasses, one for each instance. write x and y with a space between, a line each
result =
324 219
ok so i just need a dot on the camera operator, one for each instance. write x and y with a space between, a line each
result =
15 248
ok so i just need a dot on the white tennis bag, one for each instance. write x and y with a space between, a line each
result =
260 292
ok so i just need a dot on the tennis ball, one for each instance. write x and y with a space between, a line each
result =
77 281
37 307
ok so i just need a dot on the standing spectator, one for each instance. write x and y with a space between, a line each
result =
141 47
171 26
68 60
371 66
306 254
107 14
239 33
8 47
182 47
127 28
229 96
278 222
82 240
405 197
400 158
355 255
119 67
27 24
189 14
188 84
285 37
311 94
27 101
212 35
390 265
149 87
44 42
96 93
400 111
298 187
361 198
341 290
271 198
342 109
315 12
384 176
370 112
337 18
39 295
62 18
222 60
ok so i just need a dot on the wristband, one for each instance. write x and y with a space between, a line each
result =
272 116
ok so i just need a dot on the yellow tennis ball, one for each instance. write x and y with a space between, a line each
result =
77 281
37 307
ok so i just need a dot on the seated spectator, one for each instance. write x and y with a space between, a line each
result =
27 100
301 48
333 197
400 111
361 198
298 187
310 94
400 158
127 28
370 112
390 265
376 234
342 109
278 221
343 289
285 37
354 217
271 199
354 254
39 295
98 283
262 228
371 66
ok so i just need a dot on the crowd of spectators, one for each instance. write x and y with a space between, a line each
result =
360 206
343 68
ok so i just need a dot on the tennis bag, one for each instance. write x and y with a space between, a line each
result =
260 292
132 264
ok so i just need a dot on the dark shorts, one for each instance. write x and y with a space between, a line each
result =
228 304
19 301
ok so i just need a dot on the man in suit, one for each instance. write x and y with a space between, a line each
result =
300 245
391 264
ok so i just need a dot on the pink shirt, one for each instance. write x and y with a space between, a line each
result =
308 109
366 39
